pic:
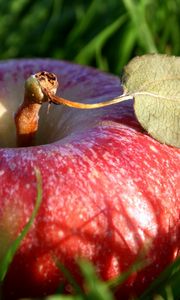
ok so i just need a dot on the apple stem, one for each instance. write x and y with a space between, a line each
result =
59 100
39 88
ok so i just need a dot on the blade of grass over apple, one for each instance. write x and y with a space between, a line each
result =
69 277
65 297
7 259
96 288
167 283
165 287
136 266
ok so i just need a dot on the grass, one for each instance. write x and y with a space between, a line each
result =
165 287
104 34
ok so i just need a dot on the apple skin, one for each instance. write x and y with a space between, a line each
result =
109 190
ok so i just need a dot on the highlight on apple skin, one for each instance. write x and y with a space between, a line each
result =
110 192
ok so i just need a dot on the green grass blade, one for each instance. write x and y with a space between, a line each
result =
137 266
86 54
69 277
169 279
125 47
137 15
96 289
64 297
7 259
85 22
101 60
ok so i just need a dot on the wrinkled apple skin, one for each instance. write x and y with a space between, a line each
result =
109 190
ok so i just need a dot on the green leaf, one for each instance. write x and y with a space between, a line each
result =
154 82
7 259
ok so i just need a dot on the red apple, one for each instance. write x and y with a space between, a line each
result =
109 190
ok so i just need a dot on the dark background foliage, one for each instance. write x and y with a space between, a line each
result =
101 33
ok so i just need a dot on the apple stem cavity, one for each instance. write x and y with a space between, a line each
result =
39 88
